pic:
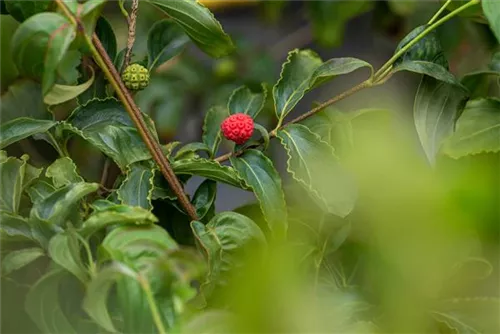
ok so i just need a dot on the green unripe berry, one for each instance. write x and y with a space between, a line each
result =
135 77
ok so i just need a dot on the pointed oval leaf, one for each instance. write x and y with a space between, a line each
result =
19 258
335 67
64 249
12 174
259 174
427 49
491 9
227 240
437 106
211 127
23 99
189 150
39 190
434 70
312 162
63 171
294 81
63 93
204 197
21 128
137 188
477 129
24 9
165 41
244 100
114 214
95 302
39 45
104 31
199 24
43 307
208 168
14 228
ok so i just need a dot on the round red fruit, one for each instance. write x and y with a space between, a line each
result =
238 128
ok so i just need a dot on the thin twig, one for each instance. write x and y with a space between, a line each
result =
131 20
102 59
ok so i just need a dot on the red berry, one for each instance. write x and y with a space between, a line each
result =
238 128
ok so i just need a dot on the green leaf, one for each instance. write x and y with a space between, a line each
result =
8 69
491 9
106 125
17 259
63 93
199 24
208 168
21 128
204 197
104 31
95 302
227 241
312 162
244 100
113 214
335 67
165 41
479 83
189 150
294 81
39 190
259 173
63 172
14 228
437 106
470 315
23 99
42 304
39 45
23 9
59 205
477 129
427 49
329 18
211 127
137 188
64 249
434 70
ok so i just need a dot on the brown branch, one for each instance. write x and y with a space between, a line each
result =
131 20
103 60
272 134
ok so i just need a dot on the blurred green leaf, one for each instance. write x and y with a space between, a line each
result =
259 174
294 80
14 228
208 168
211 127
64 249
244 100
43 307
58 206
477 129
113 214
39 190
17 259
335 67
23 99
104 31
21 128
479 83
39 45
329 19
8 69
165 41
227 240
204 198
63 172
199 24
95 302
491 9
106 125
403 8
470 315
312 162
137 188
23 9
437 106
